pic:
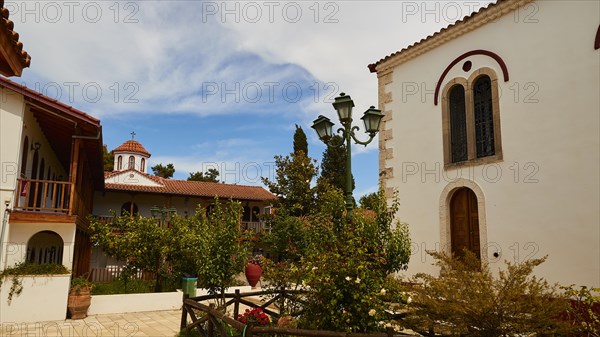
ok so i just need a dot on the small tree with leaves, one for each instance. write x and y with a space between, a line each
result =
164 171
292 185
368 201
108 158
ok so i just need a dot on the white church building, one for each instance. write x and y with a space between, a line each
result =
491 137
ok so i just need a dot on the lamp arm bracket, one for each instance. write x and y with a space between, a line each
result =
371 136
341 143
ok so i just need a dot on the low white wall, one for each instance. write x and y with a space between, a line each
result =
44 298
123 303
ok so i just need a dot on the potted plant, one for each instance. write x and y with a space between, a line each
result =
79 297
254 270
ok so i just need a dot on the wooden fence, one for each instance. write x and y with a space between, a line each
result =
209 321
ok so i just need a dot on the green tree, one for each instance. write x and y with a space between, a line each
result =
293 175
207 246
300 142
164 171
224 254
333 165
109 159
368 201
209 176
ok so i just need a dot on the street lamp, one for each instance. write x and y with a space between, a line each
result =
165 213
323 126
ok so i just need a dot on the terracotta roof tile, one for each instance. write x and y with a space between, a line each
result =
39 98
132 146
193 188
438 35
7 27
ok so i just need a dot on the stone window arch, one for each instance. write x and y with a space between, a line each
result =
480 127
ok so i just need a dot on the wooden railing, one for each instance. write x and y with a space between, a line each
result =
254 226
209 321
42 195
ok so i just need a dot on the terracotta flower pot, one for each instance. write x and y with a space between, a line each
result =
79 303
253 273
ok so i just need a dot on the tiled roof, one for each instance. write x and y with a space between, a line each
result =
468 23
192 188
132 146
6 27
50 102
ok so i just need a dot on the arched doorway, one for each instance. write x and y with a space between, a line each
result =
45 247
464 223
129 208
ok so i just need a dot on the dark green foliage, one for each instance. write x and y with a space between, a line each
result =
368 201
333 165
293 175
163 171
109 159
209 176
300 143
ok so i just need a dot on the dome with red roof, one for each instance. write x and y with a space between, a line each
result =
132 146
131 155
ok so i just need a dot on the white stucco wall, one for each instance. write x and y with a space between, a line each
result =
11 121
44 298
543 198
125 161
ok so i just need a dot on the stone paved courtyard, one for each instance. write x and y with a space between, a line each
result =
139 324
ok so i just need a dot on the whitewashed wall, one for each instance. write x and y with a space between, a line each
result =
543 198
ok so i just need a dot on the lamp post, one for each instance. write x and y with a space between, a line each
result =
323 126
165 213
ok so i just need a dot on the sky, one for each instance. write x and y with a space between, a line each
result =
221 84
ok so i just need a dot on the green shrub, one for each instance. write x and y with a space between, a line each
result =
467 300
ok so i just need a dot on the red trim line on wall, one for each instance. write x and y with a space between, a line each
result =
462 57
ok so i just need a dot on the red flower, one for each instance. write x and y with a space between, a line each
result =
254 317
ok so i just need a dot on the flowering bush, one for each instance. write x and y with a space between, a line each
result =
257 260
254 317
345 265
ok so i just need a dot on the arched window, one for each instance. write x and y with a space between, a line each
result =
471 119
131 164
484 117
143 165
45 247
458 124
129 208
119 163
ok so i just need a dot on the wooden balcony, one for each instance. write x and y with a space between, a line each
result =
43 196
48 201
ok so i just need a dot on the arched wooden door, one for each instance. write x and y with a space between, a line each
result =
464 225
